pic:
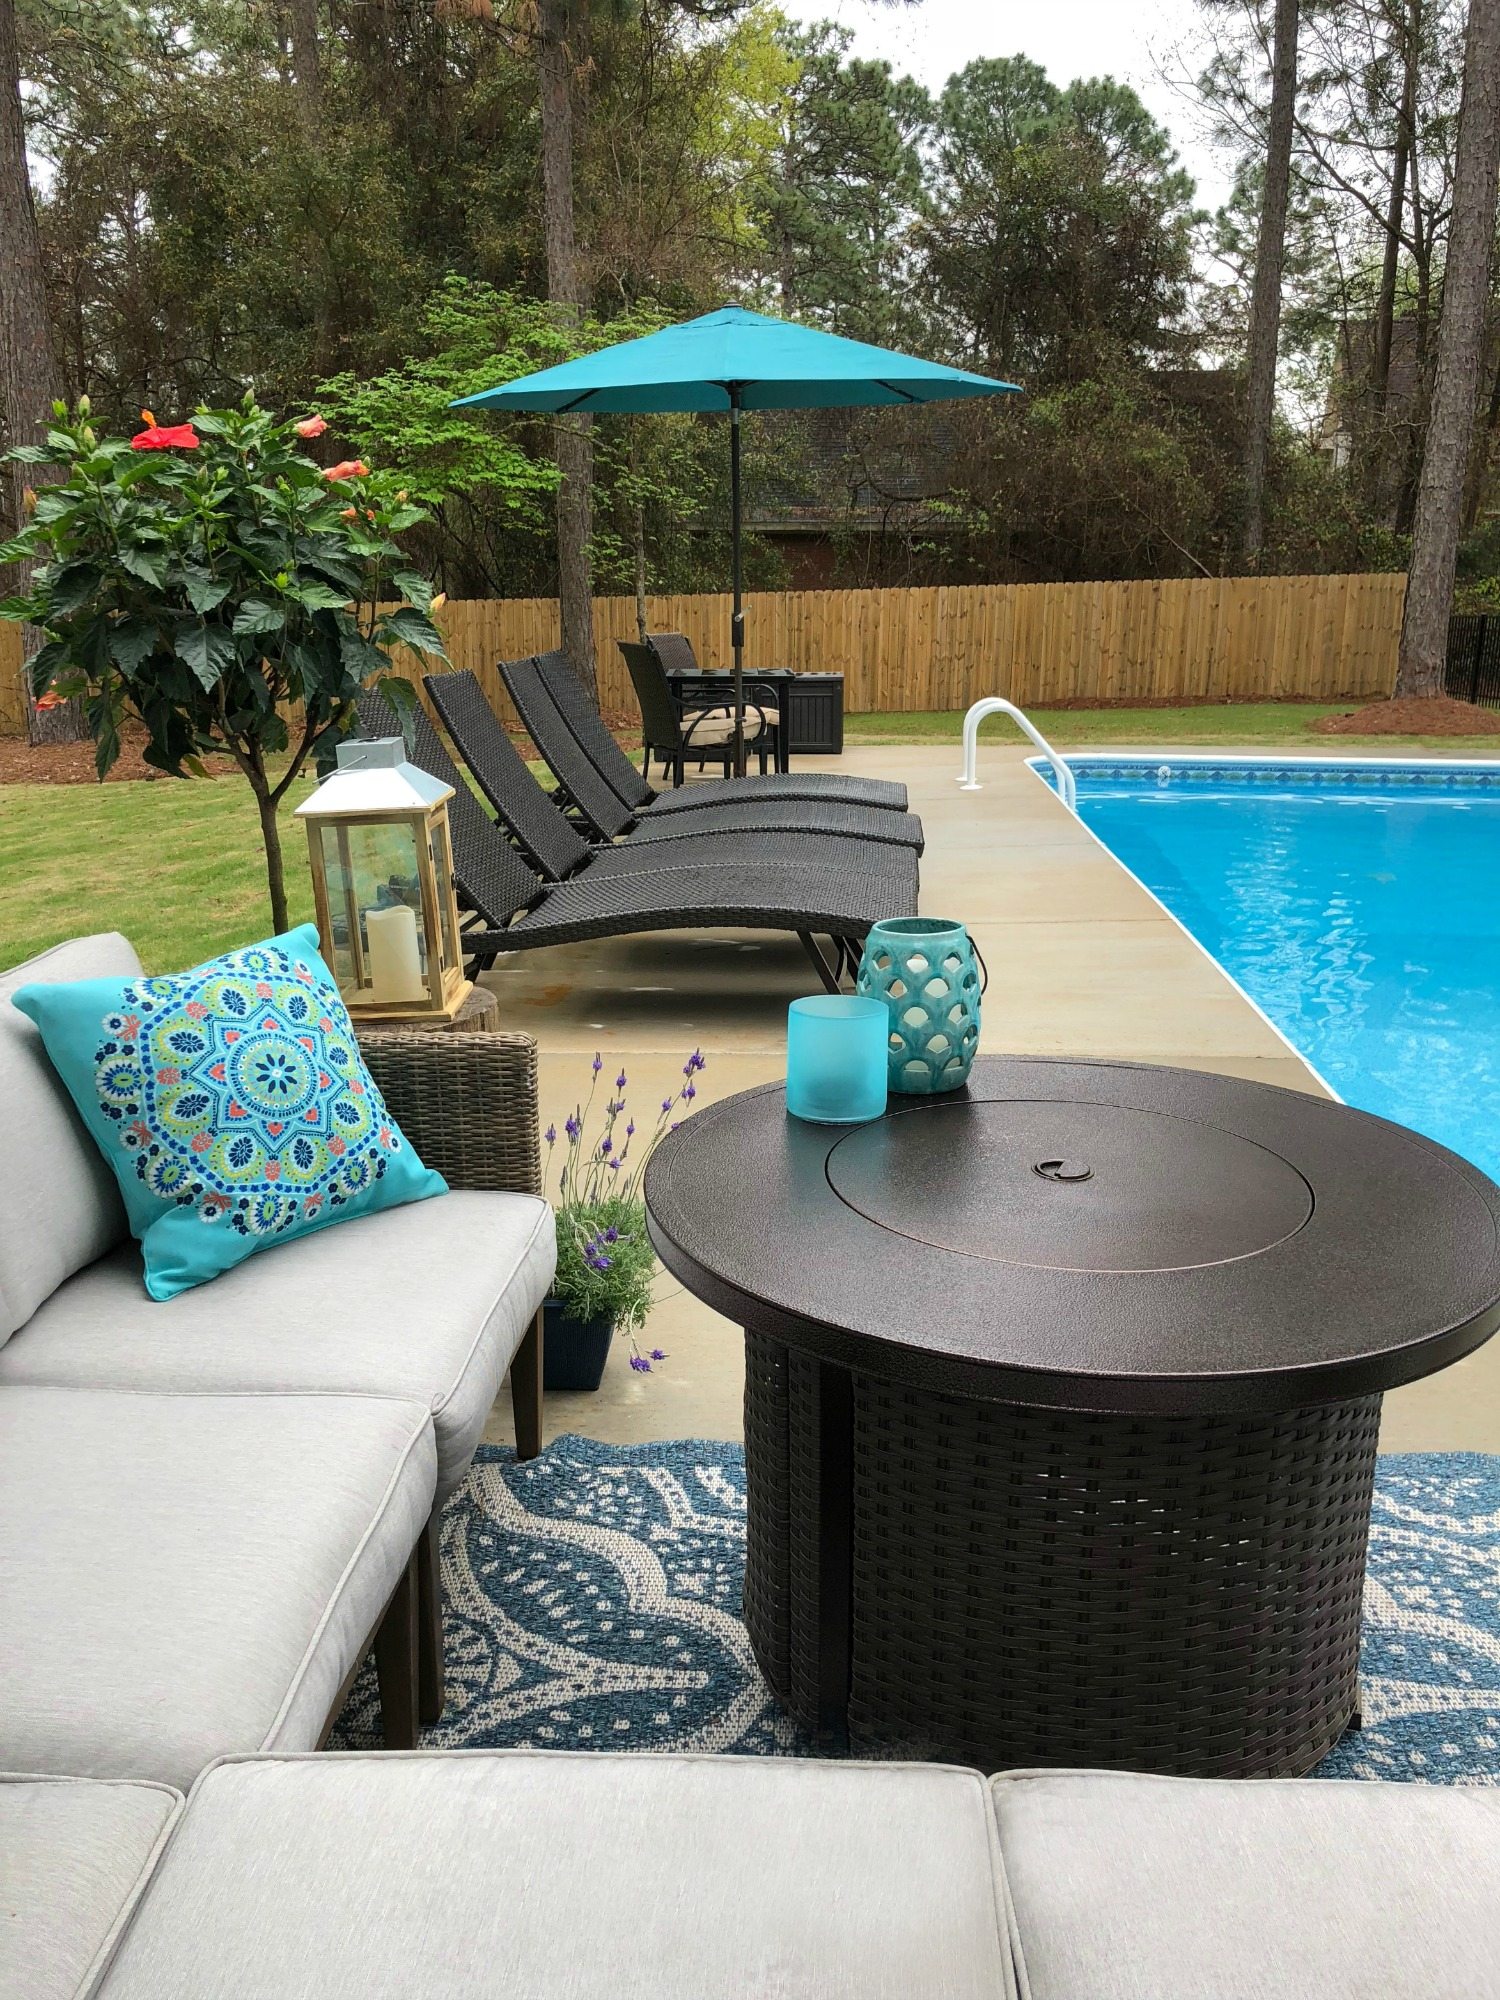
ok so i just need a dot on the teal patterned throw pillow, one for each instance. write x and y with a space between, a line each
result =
232 1103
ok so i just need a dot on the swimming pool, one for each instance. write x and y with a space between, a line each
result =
1357 904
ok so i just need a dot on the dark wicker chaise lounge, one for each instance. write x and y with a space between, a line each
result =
611 797
515 909
610 760
491 757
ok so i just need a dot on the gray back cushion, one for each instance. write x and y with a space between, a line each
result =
59 1205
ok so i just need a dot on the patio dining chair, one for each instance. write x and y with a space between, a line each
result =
484 746
513 907
587 726
675 730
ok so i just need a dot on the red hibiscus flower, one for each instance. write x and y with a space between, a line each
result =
347 468
48 700
164 437
311 427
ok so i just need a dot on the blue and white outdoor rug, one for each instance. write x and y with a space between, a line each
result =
593 1600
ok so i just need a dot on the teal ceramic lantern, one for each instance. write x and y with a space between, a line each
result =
925 970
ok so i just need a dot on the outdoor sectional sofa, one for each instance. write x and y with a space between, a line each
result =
208 1506
521 1875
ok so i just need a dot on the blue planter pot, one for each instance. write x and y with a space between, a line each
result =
925 970
574 1351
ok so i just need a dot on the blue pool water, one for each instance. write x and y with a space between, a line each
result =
1360 909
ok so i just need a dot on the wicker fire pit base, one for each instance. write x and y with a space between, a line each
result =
1025 1586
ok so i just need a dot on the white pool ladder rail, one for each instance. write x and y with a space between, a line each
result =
996 705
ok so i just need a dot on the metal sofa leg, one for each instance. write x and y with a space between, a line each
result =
526 1390
396 1663
430 1690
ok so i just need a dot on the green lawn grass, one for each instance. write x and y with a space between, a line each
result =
177 866
1281 724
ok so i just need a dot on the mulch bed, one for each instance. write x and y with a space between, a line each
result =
1435 715
23 763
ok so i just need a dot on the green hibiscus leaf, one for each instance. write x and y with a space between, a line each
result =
409 627
208 650
142 563
131 641
205 592
413 587
70 588
255 616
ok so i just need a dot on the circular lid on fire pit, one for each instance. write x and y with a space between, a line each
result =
1090 1235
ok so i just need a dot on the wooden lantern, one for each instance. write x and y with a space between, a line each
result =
382 869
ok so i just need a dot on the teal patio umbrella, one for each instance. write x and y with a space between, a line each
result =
735 360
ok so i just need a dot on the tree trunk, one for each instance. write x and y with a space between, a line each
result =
1385 308
1265 295
1480 457
1460 361
27 382
574 435
309 83
270 835
638 530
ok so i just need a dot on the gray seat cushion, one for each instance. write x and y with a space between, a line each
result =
188 1575
74 1856
1137 1888
60 1207
428 1301
572 1877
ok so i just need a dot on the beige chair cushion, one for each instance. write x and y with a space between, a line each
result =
1138 1888
74 1856
427 1301
60 1206
716 725
183 1576
516 1875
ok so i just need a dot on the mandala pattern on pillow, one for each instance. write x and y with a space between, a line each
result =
241 1093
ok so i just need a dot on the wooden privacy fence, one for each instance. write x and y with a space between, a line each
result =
1330 638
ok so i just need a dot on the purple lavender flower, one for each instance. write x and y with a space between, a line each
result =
606 1147
598 1062
630 1129
666 1105
620 1081
550 1135
572 1127
688 1092
640 1364
613 1165
657 1354
611 1235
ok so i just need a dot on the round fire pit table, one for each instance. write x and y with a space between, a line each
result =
1062 1395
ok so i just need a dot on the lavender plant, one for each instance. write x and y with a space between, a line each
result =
605 1263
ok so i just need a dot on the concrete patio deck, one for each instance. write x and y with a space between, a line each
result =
1082 962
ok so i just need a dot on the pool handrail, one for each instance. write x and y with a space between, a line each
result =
997 705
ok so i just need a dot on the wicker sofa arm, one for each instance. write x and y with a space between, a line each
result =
468 1103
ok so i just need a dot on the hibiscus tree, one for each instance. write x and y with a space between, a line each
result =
211 582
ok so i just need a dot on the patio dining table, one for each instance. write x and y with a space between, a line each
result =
1062 1401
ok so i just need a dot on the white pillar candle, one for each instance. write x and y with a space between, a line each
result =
395 963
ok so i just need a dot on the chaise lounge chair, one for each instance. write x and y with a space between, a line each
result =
583 719
838 895
490 755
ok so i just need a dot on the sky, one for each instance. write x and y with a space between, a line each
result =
1134 41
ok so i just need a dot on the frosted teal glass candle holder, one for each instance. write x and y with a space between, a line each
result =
835 1059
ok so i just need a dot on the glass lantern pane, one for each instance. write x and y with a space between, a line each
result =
375 909
442 868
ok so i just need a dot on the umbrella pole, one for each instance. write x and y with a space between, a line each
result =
737 619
